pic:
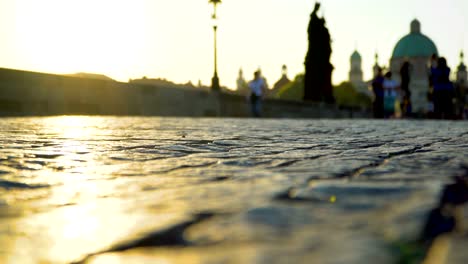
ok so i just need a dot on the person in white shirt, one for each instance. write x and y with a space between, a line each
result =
390 87
257 89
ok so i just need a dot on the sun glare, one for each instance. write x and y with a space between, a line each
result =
73 127
69 36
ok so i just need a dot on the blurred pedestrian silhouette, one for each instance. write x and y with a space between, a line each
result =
443 90
257 91
390 95
430 93
405 72
377 88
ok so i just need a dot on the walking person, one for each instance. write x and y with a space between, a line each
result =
443 90
405 72
390 94
257 91
377 88
430 94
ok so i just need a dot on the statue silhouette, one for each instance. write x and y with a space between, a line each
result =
318 69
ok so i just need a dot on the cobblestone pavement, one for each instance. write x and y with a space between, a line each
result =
175 190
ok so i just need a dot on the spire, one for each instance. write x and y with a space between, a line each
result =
284 70
462 66
241 83
376 67
461 71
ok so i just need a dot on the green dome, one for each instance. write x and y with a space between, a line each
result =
355 55
414 44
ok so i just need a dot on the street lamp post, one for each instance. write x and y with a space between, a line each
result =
215 80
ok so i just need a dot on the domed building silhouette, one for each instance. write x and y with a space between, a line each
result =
417 49
461 85
462 76
283 81
356 75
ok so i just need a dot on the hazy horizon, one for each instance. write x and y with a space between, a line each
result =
174 40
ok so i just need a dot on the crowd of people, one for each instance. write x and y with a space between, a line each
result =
392 99
390 96
387 94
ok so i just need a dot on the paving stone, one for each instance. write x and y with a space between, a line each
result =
181 190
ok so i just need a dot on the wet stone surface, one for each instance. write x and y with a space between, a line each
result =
175 190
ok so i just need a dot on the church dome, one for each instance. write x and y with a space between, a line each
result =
355 55
415 44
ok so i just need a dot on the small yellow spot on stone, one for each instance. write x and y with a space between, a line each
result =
332 199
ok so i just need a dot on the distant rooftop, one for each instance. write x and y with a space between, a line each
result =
90 76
